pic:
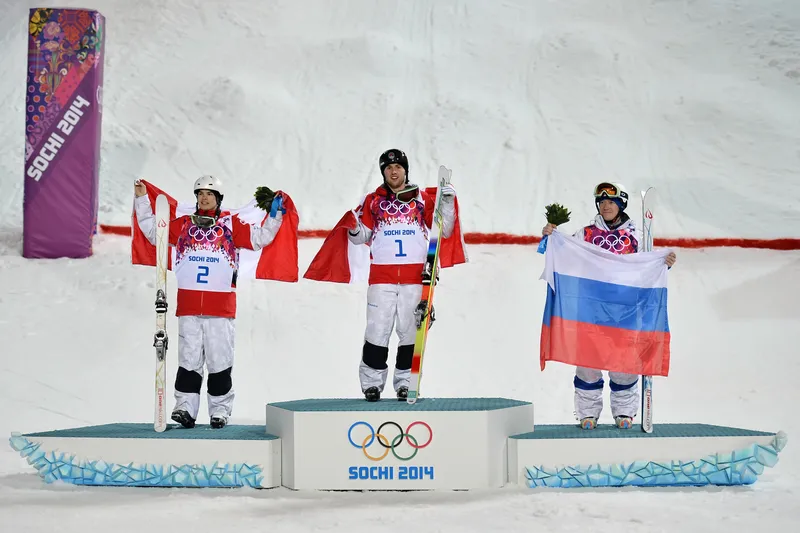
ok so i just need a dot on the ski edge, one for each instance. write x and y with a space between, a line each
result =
647 381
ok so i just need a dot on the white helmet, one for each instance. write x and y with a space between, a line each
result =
209 183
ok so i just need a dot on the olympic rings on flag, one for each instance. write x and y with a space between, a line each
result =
394 208
390 445
210 234
612 242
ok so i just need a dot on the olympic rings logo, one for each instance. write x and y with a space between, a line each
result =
394 207
210 234
612 242
390 445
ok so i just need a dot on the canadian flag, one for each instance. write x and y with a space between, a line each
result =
278 261
340 261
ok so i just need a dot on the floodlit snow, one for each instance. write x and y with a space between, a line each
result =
529 103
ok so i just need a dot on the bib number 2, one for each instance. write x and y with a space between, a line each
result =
202 273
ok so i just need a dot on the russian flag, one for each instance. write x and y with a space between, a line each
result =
603 310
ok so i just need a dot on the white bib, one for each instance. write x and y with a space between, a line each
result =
399 244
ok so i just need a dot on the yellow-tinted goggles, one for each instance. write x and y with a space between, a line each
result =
607 190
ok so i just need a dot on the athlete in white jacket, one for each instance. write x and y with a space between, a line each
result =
206 265
612 230
395 221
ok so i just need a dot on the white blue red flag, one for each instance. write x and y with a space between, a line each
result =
605 311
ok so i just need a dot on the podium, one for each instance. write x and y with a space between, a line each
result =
435 444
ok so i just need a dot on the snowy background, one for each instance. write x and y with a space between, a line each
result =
529 103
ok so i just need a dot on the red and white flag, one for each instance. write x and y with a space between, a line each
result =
278 261
340 261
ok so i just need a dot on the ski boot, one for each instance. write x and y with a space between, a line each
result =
372 394
402 394
182 417
219 421
623 422
589 422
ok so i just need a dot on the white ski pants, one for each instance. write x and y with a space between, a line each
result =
389 306
589 393
205 341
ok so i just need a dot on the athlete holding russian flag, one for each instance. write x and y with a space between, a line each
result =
612 230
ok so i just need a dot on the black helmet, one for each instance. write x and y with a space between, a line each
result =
393 155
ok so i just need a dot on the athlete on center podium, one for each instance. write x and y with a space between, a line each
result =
394 224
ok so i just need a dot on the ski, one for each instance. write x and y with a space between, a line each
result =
430 273
647 246
160 338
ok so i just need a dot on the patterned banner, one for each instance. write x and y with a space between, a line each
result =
62 131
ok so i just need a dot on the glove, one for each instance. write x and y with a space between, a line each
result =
419 315
357 226
448 192
277 205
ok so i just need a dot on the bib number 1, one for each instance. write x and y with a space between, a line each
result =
400 248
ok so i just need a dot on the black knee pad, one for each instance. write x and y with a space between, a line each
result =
616 387
188 381
375 356
220 383
404 356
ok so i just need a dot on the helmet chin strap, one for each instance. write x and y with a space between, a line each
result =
616 221
386 183
217 209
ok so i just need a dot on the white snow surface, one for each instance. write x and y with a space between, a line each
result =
529 103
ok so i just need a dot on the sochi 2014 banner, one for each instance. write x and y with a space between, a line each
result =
63 100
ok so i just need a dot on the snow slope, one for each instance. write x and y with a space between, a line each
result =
529 103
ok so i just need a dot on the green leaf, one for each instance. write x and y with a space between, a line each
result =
264 197
556 214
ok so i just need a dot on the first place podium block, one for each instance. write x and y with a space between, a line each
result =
437 443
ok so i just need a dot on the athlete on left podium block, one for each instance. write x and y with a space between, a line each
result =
206 306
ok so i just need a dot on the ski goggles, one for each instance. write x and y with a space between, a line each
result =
203 221
609 190
407 194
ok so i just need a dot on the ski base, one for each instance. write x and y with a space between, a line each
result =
429 277
160 338
647 404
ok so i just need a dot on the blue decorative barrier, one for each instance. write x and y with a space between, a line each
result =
61 466
741 467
